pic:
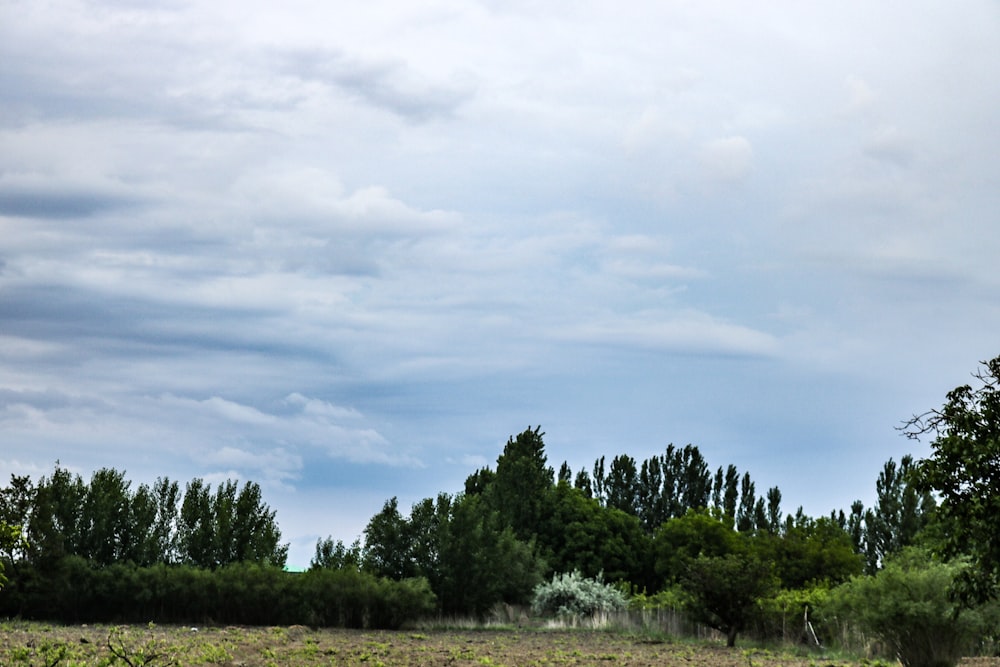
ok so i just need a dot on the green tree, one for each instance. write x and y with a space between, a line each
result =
622 485
810 552
141 548
255 535
581 535
964 471
694 487
54 525
105 525
745 515
681 540
732 492
16 503
10 539
582 482
774 510
332 555
162 538
388 548
908 606
479 481
196 526
725 591
481 561
856 526
900 513
522 483
565 473
652 504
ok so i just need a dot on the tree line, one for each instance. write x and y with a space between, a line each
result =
513 526
648 526
98 551
104 521
668 530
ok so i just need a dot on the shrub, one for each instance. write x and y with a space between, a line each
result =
573 595
908 606
789 614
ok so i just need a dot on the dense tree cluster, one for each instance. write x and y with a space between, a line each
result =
668 529
668 522
104 522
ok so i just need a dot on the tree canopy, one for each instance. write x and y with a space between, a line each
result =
964 471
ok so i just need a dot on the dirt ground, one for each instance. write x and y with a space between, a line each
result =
76 646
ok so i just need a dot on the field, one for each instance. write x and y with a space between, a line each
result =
77 646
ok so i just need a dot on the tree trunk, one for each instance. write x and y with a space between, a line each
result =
731 637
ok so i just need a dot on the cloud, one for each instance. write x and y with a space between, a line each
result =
645 258
278 467
887 143
860 96
60 206
728 159
682 333
316 240
388 85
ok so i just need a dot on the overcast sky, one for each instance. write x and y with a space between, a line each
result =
346 249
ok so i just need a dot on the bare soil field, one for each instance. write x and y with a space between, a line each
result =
78 646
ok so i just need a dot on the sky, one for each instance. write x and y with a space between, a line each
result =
345 250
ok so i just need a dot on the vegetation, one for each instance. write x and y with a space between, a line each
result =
671 531
24 644
9 538
572 594
907 606
964 471
725 591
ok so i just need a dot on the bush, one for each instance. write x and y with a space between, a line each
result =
789 614
571 594
77 591
908 606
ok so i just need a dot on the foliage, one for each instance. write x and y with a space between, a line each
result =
672 597
518 491
581 535
10 536
105 522
900 513
786 613
241 594
681 540
964 470
907 605
571 594
336 555
460 545
811 551
725 591
481 560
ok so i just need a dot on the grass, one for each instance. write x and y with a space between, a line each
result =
37 644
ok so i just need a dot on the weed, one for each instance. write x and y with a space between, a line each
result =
133 654
215 654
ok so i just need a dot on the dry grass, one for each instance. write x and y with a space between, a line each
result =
77 646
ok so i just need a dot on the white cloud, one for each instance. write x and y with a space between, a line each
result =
321 409
860 96
238 237
888 143
683 333
727 159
